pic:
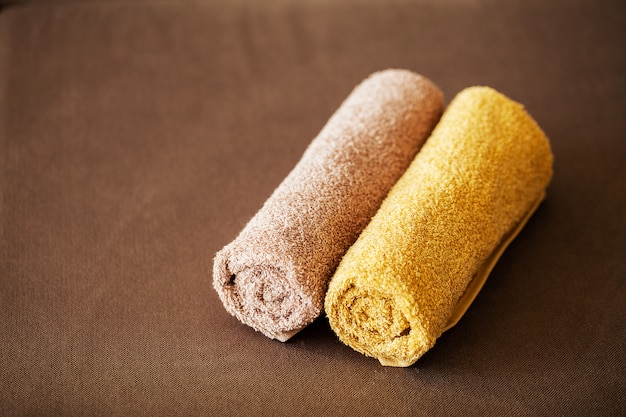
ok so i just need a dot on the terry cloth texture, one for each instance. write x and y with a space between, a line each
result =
274 275
485 166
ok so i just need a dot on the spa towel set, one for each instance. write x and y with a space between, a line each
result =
392 219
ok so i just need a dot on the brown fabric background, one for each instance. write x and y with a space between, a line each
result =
137 138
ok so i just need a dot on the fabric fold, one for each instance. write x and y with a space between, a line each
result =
468 192
274 275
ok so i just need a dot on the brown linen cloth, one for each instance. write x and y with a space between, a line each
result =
274 275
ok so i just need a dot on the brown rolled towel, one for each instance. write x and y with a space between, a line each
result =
274 275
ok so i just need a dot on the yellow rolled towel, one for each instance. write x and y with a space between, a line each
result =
443 225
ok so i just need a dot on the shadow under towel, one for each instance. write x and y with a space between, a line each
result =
467 193
274 275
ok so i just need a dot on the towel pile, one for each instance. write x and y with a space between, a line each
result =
390 285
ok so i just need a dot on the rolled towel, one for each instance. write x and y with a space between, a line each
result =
469 190
274 275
